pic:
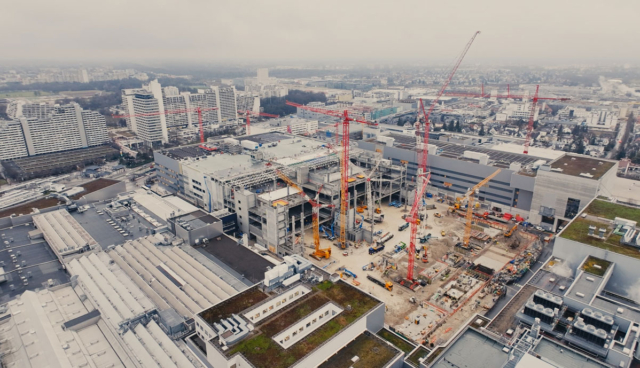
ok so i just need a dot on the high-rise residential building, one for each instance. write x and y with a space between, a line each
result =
21 108
12 143
138 104
263 75
228 104
152 98
67 127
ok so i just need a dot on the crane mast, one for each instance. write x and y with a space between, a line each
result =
470 195
422 178
532 113
315 215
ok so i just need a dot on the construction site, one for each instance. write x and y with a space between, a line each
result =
436 252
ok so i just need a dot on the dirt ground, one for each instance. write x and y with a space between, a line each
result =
401 313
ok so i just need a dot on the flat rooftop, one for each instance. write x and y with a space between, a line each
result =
94 186
455 150
563 356
578 228
472 350
372 351
40 262
586 285
610 211
577 165
245 262
273 355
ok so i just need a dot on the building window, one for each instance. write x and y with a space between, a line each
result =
277 304
573 206
308 324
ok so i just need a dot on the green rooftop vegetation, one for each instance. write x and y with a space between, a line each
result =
233 305
420 353
610 210
263 352
396 340
373 353
595 266
578 231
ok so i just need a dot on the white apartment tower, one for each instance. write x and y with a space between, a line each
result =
263 75
12 143
153 99
67 127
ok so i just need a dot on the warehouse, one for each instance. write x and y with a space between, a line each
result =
63 233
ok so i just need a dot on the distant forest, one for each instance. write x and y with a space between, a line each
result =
278 106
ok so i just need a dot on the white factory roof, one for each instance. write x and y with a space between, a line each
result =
533 151
171 276
35 337
62 232
494 261
117 300
162 207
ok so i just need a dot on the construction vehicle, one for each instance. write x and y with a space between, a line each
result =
404 226
315 205
350 273
470 198
376 248
438 215
326 233
387 285
400 247
443 233
511 231
385 238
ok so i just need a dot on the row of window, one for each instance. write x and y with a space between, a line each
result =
278 303
312 322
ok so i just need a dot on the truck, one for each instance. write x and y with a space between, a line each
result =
400 247
403 226
376 248
250 145
387 285
84 208
385 238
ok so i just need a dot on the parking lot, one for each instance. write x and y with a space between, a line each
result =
28 264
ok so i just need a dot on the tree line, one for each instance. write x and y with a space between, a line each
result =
278 106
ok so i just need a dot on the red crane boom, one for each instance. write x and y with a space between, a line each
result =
249 112
422 178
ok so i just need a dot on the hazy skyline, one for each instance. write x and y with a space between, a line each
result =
354 31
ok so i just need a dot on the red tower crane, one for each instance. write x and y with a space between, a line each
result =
199 110
249 112
344 161
422 178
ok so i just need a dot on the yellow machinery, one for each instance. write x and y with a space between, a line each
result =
470 197
388 285
510 232
315 204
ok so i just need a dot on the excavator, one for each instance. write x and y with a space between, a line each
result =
315 214
511 231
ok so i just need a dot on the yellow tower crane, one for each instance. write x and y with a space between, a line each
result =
315 216
470 198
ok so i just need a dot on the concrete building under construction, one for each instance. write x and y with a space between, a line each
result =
243 179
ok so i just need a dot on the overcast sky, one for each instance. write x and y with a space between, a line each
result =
543 31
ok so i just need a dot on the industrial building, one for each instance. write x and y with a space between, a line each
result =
228 331
64 128
244 181
547 191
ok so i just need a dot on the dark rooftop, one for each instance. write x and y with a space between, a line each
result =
576 165
239 258
370 349
94 186
455 150
265 138
186 152
233 305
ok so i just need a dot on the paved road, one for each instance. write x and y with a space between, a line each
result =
514 288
